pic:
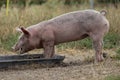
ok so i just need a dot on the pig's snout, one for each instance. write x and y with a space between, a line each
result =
13 48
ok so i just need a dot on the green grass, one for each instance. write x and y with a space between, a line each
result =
9 42
111 40
118 54
112 77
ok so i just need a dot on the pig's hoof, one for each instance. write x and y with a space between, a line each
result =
47 57
105 55
100 59
21 53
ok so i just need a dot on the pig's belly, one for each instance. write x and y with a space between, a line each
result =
68 37
69 32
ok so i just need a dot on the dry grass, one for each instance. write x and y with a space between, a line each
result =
35 14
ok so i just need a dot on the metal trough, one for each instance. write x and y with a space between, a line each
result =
13 60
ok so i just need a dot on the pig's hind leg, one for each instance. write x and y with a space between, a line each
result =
97 44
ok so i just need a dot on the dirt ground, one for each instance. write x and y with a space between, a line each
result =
78 65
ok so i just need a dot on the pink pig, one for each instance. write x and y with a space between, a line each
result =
68 27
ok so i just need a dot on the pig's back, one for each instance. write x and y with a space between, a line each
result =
73 17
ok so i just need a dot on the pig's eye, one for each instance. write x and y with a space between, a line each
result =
21 49
22 38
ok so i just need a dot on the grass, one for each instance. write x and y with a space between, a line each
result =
118 54
112 77
111 40
35 14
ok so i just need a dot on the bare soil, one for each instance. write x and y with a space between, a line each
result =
78 65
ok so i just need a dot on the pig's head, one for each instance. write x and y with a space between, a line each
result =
24 43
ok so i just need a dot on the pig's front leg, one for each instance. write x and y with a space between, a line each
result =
48 41
48 49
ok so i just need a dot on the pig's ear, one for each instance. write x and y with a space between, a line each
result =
18 29
25 31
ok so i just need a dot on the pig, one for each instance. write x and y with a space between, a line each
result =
68 27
